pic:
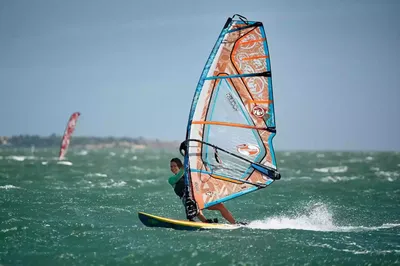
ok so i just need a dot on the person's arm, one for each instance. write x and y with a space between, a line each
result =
175 178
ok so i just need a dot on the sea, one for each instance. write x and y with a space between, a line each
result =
329 208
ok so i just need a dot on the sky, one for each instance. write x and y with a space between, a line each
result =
131 67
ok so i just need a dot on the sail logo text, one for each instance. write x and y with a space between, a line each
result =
232 101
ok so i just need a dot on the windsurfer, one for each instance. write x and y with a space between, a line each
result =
178 183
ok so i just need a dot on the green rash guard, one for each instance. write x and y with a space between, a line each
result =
178 183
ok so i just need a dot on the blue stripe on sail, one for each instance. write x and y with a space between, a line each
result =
207 133
270 123
232 196
198 91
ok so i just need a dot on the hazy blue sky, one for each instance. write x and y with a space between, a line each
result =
131 67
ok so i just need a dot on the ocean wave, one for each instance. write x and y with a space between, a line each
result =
17 158
358 250
146 181
64 163
82 153
296 178
335 179
332 169
95 174
9 229
355 160
112 184
9 187
390 176
136 169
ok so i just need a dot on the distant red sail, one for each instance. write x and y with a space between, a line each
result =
67 134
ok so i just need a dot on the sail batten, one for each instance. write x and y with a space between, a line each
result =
232 118
266 74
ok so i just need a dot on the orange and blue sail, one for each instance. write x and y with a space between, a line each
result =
232 118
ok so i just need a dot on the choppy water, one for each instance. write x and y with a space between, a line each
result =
329 208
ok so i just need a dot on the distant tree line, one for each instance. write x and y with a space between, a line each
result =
55 140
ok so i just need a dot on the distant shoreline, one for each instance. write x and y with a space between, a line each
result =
90 143
86 142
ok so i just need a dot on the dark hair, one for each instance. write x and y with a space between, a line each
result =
178 162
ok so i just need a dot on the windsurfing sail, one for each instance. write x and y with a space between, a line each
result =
229 151
67 134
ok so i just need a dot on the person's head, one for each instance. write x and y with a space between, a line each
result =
175 165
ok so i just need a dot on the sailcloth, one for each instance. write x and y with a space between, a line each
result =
232 120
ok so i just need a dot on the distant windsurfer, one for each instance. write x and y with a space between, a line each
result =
178 183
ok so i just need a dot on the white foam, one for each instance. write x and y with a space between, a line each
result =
296 178
138 169
64 163
332 169
95 174
148 181
317 217
17 158
10 229
112 183
388 175
355 160
336 179
9 187
82 153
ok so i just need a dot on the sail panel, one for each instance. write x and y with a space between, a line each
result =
232 122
